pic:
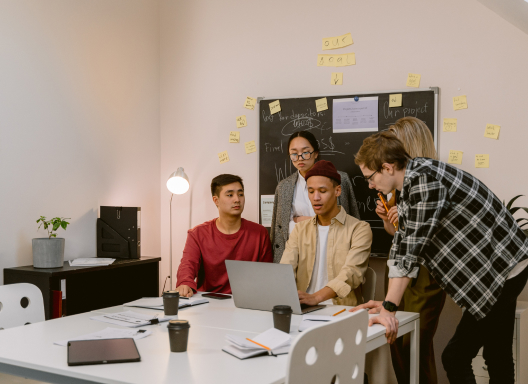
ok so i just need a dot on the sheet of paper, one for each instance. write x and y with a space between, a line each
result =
108 333
455 157
275 107
337 42
459 102
321 104
234 137
395 100
223 157
157 302
341 60
266 209
413 80
250 147
90 261
492 131
126 319
241 121
337 78
450 125
355 116
481 161
250 103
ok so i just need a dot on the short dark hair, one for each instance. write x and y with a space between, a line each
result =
382 147
225 179
306 135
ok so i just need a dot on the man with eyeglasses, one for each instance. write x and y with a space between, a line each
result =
452 224
330 251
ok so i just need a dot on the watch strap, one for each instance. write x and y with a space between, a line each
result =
390 306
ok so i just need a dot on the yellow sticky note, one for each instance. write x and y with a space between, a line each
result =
241 121
413 80
492 131
395 100
459 102
250 147
336 60
337 78
275 107
234 137
481 161
455 157
450 125
223 157
321 104
337 41
250 103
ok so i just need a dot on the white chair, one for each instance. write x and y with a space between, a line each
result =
20 304
369 286
333 352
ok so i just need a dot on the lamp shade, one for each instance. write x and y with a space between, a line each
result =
178 182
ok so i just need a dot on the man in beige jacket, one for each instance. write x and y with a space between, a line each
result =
330 252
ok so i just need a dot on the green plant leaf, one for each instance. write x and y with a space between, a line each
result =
46 225
510 203
64 224
515 209
53 235
56 226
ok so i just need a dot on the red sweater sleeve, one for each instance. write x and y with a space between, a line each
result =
266 255
190 263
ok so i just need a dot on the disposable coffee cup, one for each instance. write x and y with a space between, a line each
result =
282 317
171 301
178 335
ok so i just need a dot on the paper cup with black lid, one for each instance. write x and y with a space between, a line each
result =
178 335
282 317
171 302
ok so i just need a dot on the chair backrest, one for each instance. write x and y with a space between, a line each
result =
20 304
331 352
369 286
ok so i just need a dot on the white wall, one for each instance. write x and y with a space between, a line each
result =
215 53
79 119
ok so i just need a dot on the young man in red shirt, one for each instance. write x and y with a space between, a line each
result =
228 237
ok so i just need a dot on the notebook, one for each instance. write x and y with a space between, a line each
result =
157 302
276 342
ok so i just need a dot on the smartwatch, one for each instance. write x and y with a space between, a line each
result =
389 306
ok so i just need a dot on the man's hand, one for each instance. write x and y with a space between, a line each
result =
393 215
380 210
374 307
389 321
298 219
185 290
308 299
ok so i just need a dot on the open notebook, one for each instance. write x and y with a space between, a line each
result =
270 342
157 302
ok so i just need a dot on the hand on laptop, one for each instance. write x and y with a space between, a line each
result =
185 290
313 299
374 307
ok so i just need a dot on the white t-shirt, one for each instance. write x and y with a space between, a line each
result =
320 274
301 205
517 269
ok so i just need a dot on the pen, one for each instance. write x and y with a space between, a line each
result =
385 205
341 311
260 345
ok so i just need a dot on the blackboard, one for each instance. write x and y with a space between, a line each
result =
300 114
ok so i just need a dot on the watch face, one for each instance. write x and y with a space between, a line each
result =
391 307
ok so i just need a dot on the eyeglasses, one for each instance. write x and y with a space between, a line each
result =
367 179
303 156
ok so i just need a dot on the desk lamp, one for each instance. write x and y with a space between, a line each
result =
178 183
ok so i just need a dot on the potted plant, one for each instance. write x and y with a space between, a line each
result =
512 210
49 252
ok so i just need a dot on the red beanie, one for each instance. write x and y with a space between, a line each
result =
324 168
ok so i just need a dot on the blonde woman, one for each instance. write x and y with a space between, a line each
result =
423 295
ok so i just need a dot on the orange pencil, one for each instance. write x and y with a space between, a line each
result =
260 345
385 205
341 311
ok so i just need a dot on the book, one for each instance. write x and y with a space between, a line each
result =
157 302
271 342
309 321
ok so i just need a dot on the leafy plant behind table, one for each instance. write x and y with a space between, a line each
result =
512 210
53 225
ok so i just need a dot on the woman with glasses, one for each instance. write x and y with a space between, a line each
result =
291 204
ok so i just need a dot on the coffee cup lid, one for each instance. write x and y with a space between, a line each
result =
282 308
179 324
171 293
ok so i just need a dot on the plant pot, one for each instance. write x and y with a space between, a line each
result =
48 253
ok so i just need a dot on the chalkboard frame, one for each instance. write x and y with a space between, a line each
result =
435 90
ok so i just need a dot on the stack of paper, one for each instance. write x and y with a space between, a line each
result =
131 319
157 302
271 342
109 333
309 321
90 262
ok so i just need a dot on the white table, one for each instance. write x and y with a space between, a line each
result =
29 351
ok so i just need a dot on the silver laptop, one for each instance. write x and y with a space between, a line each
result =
263 285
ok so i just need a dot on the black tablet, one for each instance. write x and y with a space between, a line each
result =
106 351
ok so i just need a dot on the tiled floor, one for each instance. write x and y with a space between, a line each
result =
8 379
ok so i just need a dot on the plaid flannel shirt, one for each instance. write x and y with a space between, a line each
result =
453 224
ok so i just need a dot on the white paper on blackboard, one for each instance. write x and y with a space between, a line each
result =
266 209
350 115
